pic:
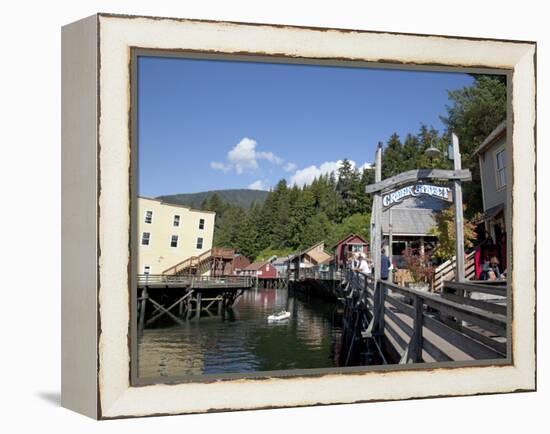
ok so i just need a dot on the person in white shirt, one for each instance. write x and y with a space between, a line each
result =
362 265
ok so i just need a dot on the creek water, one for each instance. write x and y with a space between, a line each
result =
244 341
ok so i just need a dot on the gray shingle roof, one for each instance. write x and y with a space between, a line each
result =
491 138
413 216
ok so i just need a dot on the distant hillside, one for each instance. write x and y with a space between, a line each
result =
239 197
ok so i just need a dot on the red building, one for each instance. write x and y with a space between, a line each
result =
346 247
239 263
261 270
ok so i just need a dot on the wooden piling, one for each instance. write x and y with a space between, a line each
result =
188 306
180 308
199 307
144 296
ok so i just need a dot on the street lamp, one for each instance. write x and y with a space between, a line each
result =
432 152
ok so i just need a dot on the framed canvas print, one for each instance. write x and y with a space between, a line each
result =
261 216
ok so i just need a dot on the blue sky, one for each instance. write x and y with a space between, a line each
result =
206 124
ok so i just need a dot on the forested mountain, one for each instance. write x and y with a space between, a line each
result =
238 197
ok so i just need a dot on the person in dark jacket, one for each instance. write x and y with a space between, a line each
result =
385 266
491 270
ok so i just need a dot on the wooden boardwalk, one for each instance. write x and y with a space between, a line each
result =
313 282
193 281
466 322
179 298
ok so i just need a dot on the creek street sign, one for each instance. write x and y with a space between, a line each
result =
397 196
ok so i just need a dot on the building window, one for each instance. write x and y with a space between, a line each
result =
174 241
500 165
357 248
145 237
176 220
201 224
199 243
148 216
146 269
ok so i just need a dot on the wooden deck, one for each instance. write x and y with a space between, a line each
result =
192 281
466 322
313 282
179 298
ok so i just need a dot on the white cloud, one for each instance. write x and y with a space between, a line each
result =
269 156
257 185
220 166
366 166
290 167
244 157
306 176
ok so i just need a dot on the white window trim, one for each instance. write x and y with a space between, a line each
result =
145 269
141 241
203 224
495 161
197 243
174 221
177 241
145 217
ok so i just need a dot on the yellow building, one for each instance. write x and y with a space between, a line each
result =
169 234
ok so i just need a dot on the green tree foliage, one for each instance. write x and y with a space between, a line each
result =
357 224
399 157
446 234
246 238
293 218
475 111
318 227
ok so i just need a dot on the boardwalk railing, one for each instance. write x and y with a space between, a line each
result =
317 274
446 271
182 297
414 326
193 281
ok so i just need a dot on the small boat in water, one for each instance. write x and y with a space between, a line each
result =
279 316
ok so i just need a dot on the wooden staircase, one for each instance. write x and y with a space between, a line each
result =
212 261
446 271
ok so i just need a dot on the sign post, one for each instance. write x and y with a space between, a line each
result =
377 227
395 189
390 243
459 218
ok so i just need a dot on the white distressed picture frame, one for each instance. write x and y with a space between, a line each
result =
96 214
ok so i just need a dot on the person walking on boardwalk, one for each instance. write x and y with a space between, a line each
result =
385 266
362 265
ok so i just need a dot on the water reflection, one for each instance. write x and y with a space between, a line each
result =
245 341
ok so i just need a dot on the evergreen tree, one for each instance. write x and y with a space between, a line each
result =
357 224
246 238
365 200
348 187
392 157
318 227
475 112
